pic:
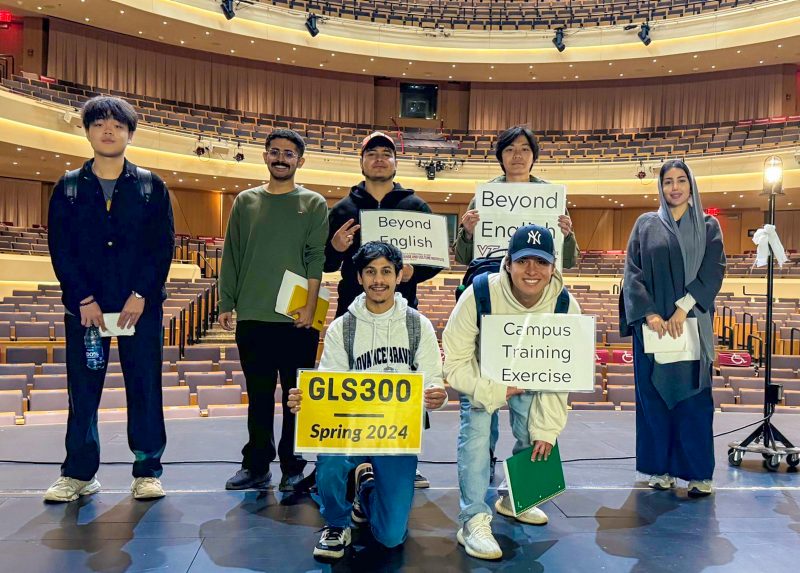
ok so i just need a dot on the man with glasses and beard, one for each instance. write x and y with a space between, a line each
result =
272 228
378 191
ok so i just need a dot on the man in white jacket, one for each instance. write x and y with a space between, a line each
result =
528 282
382 340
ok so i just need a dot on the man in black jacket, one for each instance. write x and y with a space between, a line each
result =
111 238
377 191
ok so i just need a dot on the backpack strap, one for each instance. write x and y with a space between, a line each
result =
71 185
483 300
414 329
562 303
349 335
145 183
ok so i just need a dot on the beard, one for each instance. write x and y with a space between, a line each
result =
381 178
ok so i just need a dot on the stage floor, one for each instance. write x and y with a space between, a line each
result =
608 520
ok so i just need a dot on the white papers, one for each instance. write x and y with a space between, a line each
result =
111 319
421 237
668 350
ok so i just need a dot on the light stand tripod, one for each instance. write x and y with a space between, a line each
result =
767 440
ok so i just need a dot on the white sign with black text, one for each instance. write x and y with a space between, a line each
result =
421 237
504 207
544 352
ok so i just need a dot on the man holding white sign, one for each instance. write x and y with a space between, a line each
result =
379 333
517 151
528 283
378 191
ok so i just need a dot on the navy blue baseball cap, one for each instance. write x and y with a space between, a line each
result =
532 241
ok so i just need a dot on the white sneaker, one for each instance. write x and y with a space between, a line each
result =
147 488
476 537
532 516
700 488
333 542
69 489
662 482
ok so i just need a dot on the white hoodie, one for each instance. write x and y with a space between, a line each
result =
548 414
381 343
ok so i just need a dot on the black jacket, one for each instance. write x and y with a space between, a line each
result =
348 208
109 254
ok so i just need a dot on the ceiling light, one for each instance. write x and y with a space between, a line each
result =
311 25
644 34
227 9
558 40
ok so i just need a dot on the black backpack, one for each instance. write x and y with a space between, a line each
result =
72 177
480 266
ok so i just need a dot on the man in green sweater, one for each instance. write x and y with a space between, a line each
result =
272 228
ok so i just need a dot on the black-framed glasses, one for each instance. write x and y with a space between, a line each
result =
288 154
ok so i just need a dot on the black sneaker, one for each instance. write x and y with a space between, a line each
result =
289 483
332 542
420 481
246 479
362 474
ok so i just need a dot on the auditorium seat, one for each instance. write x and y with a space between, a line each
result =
791 397
221 410
786 361
48 400
8 418
171 354
746 408
26 354
32 331
185 366
596 396
49 368
193 379
751 396
617 394
238 379
230 366
723 396
50 382
45 417
202 352
617 379
218 395
113 398
627 406
26 370
181 412
231 352
112 414
169 379
176 396
11 401
592 406
738 383
14 382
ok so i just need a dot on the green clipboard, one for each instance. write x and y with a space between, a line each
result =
532 483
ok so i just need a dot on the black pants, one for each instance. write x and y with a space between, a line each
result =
266 350
140 358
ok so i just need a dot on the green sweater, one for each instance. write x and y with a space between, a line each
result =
463 247
266 235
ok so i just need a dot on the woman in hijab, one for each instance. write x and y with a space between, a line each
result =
673 271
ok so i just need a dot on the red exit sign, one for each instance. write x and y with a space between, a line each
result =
5 16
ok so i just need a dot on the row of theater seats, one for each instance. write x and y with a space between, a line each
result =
566 145
209 382
507 14
39 315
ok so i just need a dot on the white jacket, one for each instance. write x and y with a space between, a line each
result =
381 343
548 414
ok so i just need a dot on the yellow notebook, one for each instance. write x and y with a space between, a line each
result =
293 294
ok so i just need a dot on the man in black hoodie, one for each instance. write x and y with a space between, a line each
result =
377 191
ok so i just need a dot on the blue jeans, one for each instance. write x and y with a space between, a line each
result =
494 432
474 439
386 500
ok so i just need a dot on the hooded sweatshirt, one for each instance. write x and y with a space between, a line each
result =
548 414
349 207
381 343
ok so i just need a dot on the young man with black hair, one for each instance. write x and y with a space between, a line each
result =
528 283
516 151
378 191
111 239
384 485
272 228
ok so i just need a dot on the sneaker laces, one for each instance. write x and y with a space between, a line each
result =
480 528
332 534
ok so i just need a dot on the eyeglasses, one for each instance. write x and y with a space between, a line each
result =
288 154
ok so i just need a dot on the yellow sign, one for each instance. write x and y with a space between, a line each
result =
359 413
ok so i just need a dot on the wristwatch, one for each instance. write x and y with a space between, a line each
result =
137 295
